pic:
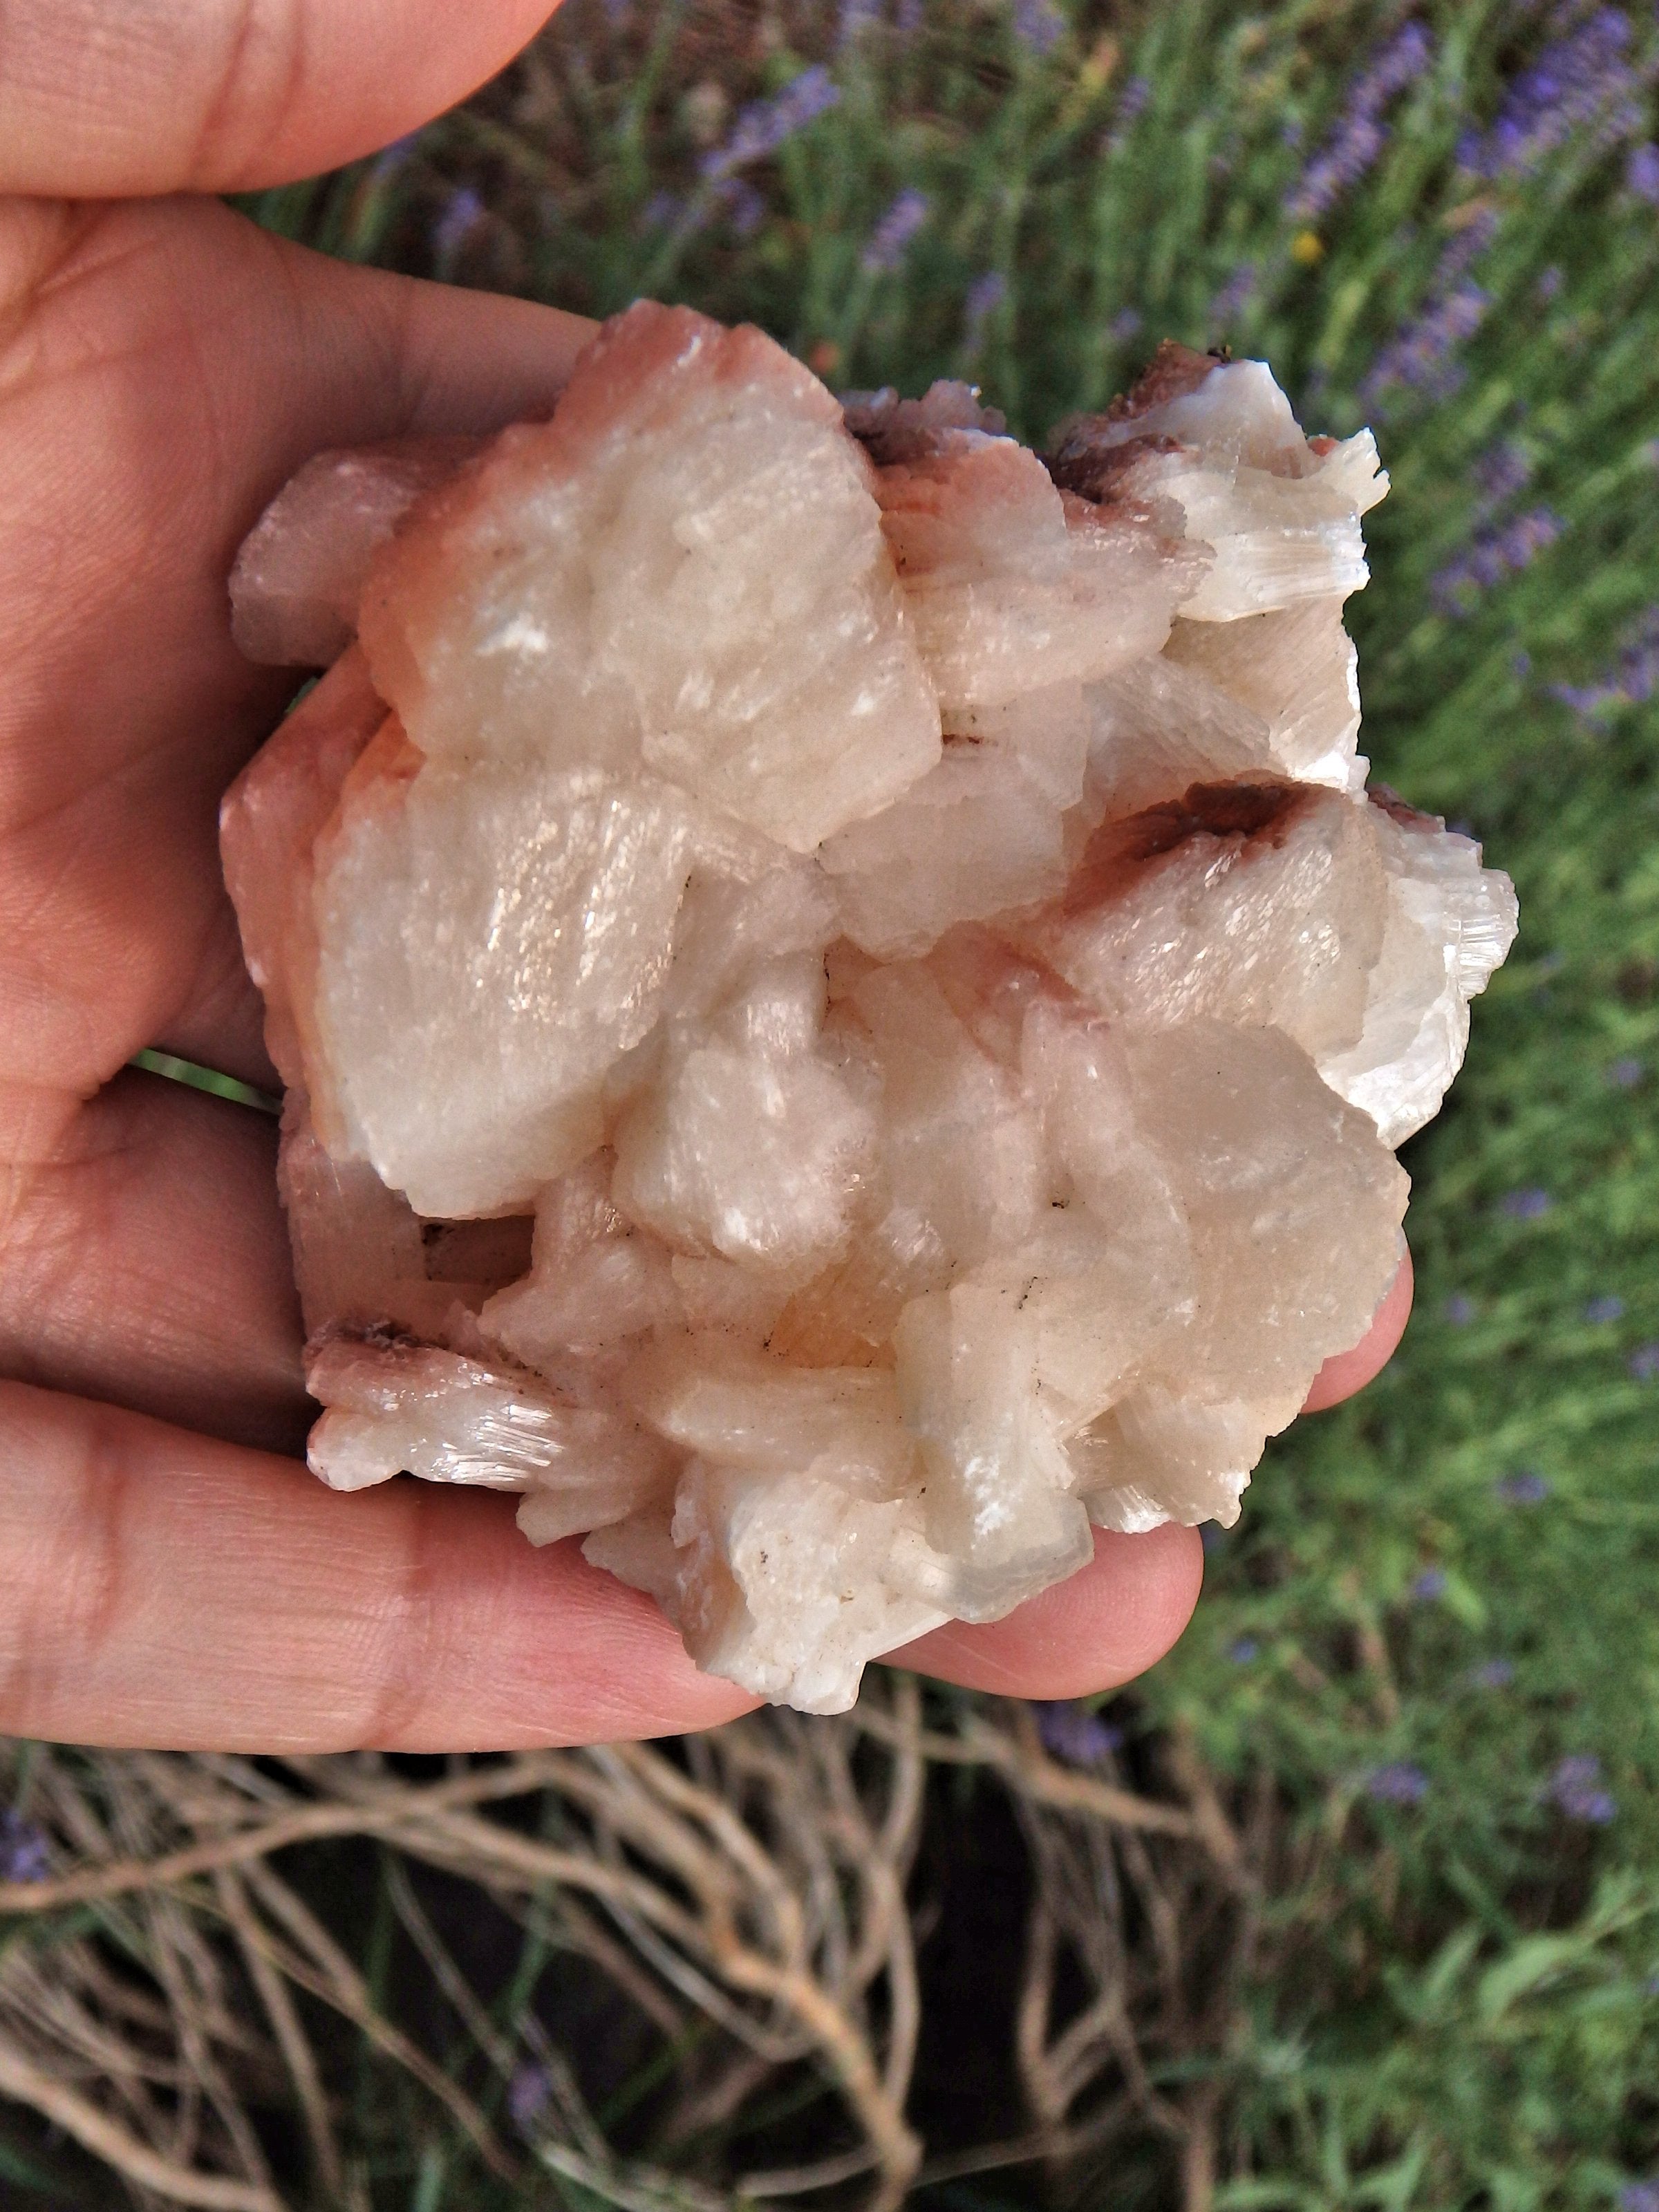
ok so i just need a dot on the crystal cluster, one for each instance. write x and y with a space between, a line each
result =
845 1006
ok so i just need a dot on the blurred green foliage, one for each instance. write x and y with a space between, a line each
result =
1443 1590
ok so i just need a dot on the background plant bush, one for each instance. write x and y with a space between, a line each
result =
1425 1674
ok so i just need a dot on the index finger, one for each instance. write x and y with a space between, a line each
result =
165 1589
168 1590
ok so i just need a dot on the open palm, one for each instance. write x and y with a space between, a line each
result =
168 1574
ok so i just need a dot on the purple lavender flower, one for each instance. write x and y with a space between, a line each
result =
1399 1782
1605 1308
1235 296
1038 25
909 17
1459 1311
1420 356
1526 1486
1493 1674
1625 1074
1502 549
1501 472
1642 173
1549 282
1575 1787
1132 101
661 209
766 124
528 2094
1131 105
23 1855
460 218
1473 236
1632 680
745 210
985 296
1639 2196
1428 1585
392 158
1359 133
1643 1362
1125 326
1523 538
1528 1205
892 235
1243 1649
1070 1732
855 19
1579 83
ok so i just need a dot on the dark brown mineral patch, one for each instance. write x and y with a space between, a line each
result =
1243 814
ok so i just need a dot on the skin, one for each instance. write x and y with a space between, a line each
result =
169 1575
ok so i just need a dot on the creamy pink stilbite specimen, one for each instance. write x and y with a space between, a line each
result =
844 1003
268 825
294 589
1219 446
684 570
396 1405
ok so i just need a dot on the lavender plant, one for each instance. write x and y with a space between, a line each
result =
1392 1936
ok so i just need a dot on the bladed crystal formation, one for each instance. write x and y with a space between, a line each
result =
845 1005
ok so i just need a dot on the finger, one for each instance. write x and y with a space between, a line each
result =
137 96
178 366
1103 1626
1350 1372
161 1589
146 1261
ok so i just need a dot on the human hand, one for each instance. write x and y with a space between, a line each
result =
170 1578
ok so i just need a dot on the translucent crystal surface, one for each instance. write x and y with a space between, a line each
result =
844 1002
294 589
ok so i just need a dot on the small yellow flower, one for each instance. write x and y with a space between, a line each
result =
1307 247
1102 60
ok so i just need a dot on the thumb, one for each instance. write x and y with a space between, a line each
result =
101 98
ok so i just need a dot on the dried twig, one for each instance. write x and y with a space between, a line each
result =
21 2078
746 1896
980 1744
291 2037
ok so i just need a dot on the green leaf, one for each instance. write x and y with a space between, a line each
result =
1538 1959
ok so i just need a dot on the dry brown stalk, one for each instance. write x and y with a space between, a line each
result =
291 2039
744 1893
330 1977
979 1744
306 1824
30 2084
459 1991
